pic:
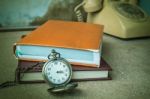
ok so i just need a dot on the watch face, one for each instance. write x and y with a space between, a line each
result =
57 72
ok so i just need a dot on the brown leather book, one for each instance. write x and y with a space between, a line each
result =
30 72
78 42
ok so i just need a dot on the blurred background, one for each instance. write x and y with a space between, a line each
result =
20 13
35 12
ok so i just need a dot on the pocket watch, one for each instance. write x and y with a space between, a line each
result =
57 72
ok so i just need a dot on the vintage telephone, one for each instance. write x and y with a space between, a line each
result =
121 18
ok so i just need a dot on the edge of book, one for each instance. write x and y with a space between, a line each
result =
73 80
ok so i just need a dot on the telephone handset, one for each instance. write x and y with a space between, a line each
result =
121 18
89 6
92 5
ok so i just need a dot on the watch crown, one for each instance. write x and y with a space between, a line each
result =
53 55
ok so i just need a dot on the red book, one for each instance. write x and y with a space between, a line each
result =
31 72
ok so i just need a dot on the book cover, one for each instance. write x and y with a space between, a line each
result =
82 39
29 71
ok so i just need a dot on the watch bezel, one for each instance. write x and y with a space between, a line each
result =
45 75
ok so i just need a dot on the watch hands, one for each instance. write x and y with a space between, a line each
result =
60 71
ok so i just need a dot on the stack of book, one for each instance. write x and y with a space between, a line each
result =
79 43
